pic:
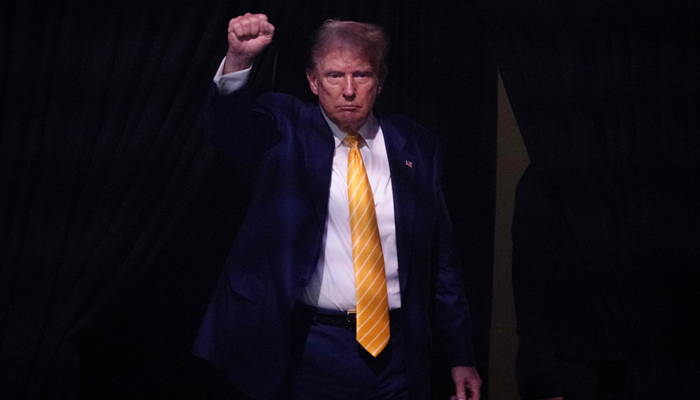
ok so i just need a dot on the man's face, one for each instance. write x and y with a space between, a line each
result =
346 86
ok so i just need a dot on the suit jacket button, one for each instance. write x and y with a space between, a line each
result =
303 282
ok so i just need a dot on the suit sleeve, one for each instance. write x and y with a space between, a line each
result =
452 310
235 125
536 249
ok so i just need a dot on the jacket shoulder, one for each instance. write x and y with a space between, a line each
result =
281 105
411 130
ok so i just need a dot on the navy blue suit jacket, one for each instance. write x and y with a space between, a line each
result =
289 146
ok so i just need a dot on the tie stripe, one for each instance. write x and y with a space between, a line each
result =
370 278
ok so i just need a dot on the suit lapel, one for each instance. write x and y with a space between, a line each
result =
319 161
402 183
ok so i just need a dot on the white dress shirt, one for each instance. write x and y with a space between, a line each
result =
332 287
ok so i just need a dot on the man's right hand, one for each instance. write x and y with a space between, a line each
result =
248 35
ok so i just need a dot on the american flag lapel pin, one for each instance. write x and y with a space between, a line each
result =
409 164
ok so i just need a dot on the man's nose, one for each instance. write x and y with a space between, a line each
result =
349 87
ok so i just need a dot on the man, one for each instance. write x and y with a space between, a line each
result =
326 291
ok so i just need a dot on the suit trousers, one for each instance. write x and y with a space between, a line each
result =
327 362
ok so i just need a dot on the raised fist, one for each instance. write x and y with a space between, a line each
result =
248 35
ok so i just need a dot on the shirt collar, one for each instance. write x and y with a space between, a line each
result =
368 131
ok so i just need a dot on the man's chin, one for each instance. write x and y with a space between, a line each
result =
350 121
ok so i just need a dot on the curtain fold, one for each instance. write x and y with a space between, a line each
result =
101 158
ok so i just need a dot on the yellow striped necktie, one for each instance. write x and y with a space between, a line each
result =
370 278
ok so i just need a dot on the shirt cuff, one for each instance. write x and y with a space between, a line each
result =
232 81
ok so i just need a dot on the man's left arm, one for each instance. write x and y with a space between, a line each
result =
452 308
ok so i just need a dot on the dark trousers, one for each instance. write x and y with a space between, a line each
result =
326 362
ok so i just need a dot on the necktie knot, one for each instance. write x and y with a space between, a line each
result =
353 139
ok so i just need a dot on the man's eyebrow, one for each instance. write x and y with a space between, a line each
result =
332 71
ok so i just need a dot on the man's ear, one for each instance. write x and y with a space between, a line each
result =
311 76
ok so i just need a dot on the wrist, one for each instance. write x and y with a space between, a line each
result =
237 62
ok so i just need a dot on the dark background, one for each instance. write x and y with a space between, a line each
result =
115 217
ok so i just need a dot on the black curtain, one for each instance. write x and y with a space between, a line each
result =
606 94
116 217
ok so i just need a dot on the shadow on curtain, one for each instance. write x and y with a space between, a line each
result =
606 94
